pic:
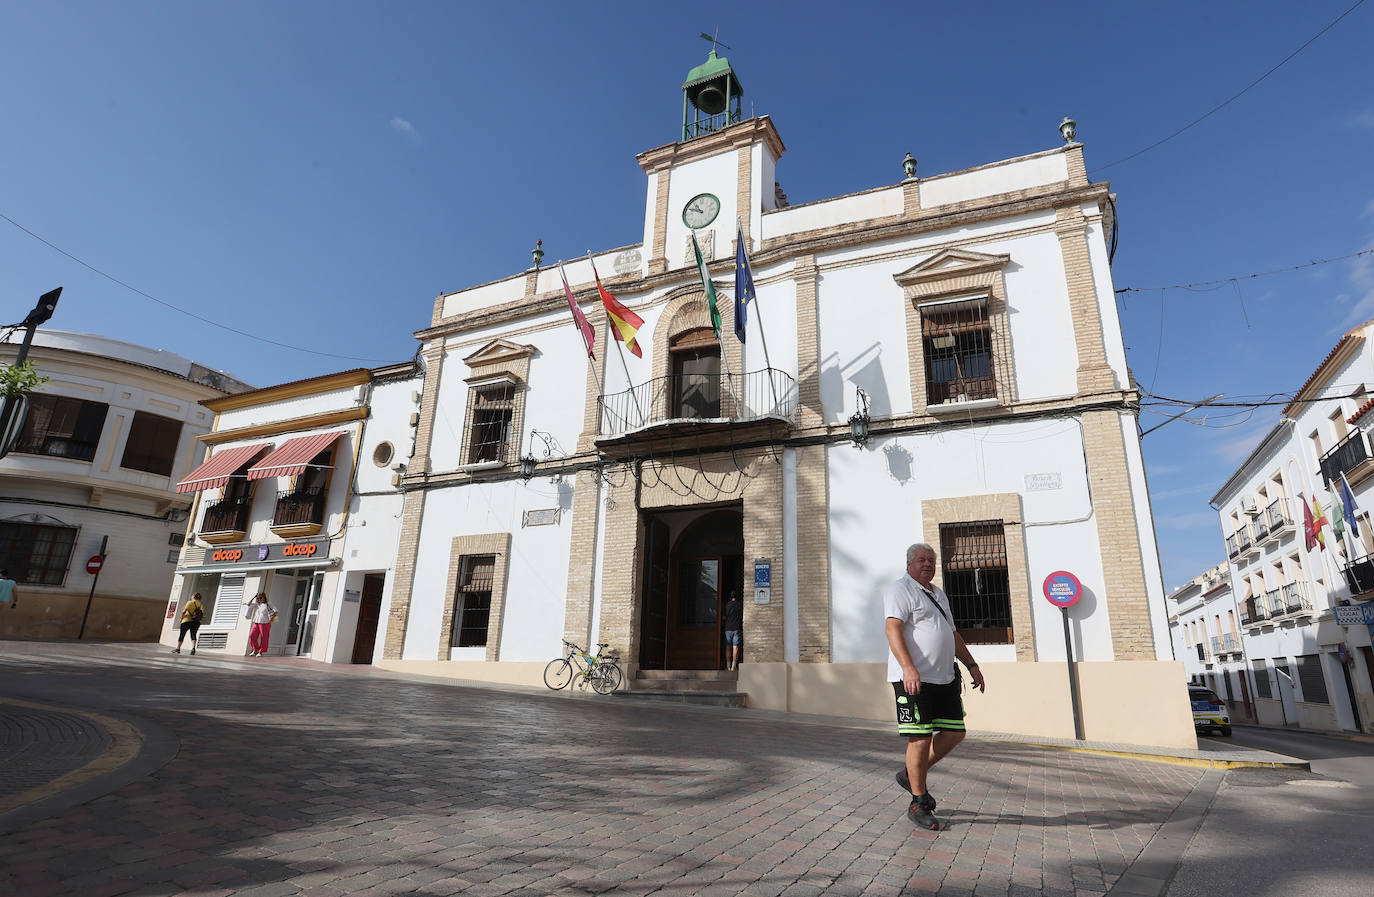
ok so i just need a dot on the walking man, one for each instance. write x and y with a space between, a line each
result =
8 593
922 646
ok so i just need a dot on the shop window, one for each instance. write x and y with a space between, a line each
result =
696 375
491 410
152 444
1312 680
974 564
36 553
62 427
956 340
472 606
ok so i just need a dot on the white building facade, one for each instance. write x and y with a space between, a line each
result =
963 325
299 500
1208 639
103 443
1307 667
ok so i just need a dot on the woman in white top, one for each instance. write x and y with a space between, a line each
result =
262 614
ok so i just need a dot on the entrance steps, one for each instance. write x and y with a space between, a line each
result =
714 687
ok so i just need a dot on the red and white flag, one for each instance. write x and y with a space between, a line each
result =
583 325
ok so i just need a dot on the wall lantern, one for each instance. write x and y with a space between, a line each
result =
858 421
527 465
1069 128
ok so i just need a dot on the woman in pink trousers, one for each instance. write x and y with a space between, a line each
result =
263 615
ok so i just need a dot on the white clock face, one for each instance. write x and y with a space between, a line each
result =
700 211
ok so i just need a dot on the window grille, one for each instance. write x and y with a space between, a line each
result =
36 554
956 340
492 408
1262 680
976 581
1313 682
472 609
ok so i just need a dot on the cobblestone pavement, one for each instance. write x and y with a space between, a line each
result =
293 780
38 745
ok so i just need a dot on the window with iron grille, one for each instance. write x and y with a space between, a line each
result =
152 443
1262 688
35 553
974 563
491 409
472 609
1313 682
62 427
956 340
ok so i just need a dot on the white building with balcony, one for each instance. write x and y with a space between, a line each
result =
1305 667
103 444
937 359
299 499
1204 625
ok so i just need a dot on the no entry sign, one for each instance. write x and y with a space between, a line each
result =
94 564
1063 589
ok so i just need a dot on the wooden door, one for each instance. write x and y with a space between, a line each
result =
369 612
653 623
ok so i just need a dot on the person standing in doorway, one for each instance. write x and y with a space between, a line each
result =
734 630
191 617
923 645
8 593
263 615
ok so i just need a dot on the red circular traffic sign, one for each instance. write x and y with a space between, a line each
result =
94 564
1063 589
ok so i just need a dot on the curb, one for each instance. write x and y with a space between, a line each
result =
1199 762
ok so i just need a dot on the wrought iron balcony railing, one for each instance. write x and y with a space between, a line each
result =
1345 456
1232 548
1261 609
1359 576
300 507
743 397
1295 598
1277 516
1260 527
228 515
1243 541
56 447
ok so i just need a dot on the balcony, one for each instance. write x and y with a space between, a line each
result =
1232 549
226 520
1277 518
1226 643
1350 456
1245 619
1359 576
1260 527
56 447
705 410
1243 540
1295 599
1261 609
299 513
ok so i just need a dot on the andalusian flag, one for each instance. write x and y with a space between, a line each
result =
707 286
625 324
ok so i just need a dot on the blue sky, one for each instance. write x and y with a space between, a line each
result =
317 172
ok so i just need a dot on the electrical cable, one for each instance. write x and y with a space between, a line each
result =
1245 90
190 314
1225 280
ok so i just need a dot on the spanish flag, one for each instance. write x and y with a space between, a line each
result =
625 324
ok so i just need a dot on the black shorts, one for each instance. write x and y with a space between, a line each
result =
934 708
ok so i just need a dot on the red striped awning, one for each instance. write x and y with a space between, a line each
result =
293 456
217 469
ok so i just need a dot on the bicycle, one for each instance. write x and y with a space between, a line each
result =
600 671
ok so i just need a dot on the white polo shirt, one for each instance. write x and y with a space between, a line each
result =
926 630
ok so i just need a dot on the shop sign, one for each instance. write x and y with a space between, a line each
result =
261 553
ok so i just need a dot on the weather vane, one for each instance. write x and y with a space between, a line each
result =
715 39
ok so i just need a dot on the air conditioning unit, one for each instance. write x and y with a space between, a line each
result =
1249 507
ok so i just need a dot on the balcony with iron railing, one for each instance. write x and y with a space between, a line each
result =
1259 527
1243 539
299 512
1295 598
1359 575
1226 643
1350 456
56 447
1232 548
1276 517
1245 619
226 520
1261 609
710 407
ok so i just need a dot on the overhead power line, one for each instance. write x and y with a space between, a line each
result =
1239 277
190 314
1227 102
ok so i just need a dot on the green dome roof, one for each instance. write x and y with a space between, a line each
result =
714 67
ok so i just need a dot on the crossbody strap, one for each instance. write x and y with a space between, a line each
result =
931 596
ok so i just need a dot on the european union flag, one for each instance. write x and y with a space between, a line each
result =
744 283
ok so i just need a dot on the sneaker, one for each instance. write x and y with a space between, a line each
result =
922 817
176 650
193 650
905 781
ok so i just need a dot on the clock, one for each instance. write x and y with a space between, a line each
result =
700 211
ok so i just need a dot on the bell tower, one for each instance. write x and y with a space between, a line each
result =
710 97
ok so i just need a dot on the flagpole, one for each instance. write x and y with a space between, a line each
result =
709 286
590 357
758 311
620 350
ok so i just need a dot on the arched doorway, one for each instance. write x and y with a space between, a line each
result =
682 623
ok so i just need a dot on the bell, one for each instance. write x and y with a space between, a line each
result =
710 99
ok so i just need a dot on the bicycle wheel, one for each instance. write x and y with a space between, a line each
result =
608 680
558 673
